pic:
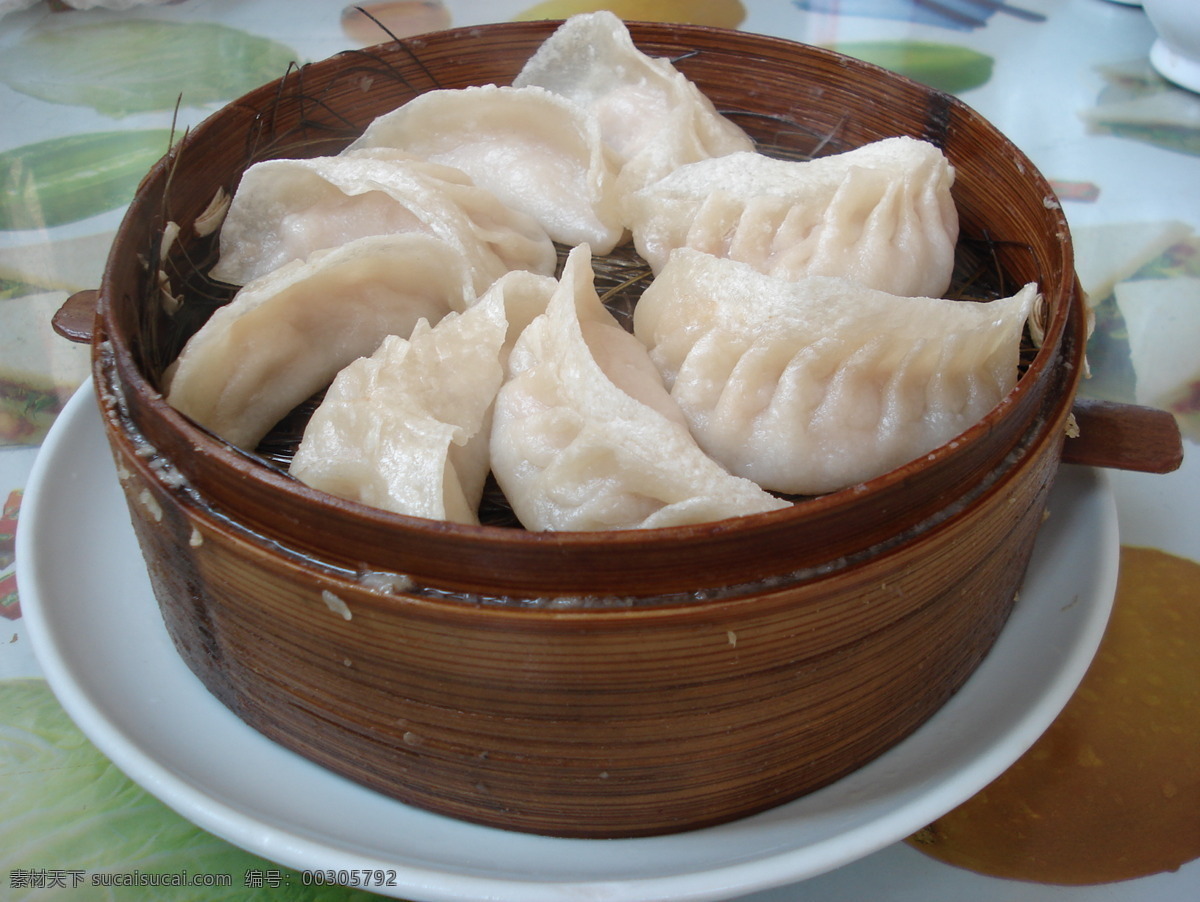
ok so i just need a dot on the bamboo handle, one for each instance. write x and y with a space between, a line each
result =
76 318
1124 437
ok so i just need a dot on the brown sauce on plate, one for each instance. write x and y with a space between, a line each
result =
1111 791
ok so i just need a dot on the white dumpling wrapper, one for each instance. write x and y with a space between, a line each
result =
537 152
650 114
881 215
284 336
285 209
585 436
407 429
814 385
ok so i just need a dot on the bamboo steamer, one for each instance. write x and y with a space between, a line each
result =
586 684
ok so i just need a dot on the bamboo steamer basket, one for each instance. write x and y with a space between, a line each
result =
586 684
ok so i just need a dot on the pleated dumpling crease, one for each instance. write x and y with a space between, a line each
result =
407 429
585 436
817 384
881 215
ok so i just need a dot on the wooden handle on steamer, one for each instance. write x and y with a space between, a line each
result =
1124 437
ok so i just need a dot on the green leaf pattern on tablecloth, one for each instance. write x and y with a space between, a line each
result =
68 814
947 67
61 180
138 65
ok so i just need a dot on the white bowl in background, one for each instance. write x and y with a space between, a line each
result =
1176 52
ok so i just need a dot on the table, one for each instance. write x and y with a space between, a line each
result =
1067 80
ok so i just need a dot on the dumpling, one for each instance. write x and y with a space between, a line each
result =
585 436
284 336
284 210
537 152
881 215
407 429
813 385
651 115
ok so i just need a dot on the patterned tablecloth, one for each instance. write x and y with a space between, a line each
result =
88 99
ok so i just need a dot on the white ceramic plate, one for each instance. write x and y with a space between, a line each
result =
102 645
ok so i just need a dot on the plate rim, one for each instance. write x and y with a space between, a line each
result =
774 867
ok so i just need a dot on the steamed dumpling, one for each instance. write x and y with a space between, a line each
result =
651 116
285 209
407 429
880 215
537 152
813 385
284 336
585 436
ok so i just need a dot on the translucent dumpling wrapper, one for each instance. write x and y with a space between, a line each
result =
407 429
585 436
284 336
881 215
814 385
283 210
537 152
650 114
